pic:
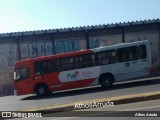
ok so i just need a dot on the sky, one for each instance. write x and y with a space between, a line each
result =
31 15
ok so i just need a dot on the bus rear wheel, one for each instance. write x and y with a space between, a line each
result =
106 81
41 90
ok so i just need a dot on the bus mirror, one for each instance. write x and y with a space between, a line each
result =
14 75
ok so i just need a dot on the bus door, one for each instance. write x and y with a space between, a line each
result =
144 61
128 66
45 72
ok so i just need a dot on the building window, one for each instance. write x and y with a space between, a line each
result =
94 43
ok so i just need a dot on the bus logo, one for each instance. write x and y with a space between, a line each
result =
73 76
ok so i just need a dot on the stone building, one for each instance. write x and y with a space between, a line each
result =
29 44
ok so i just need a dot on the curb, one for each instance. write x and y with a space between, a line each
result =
116 100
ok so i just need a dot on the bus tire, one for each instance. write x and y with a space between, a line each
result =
41 90
106 81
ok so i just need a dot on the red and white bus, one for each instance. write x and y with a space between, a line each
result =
104 66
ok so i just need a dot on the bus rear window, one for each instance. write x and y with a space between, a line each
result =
21 73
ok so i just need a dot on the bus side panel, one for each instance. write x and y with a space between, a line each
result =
110 68
136 68
79 77
74 84
23 87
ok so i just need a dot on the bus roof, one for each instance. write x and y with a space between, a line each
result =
119 45
68 54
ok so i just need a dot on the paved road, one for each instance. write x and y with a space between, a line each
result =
31 101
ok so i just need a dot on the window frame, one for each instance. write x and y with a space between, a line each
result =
92 64
143 52
110 57
23 77
126 53
42 67
61 65
72 67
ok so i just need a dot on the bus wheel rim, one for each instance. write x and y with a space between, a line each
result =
106 82
41 90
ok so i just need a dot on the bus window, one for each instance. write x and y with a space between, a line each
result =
107 57
64 64
22 73
86 60
67 63
43 67
121 55
57 65
142 52
132 53
76 60
128 54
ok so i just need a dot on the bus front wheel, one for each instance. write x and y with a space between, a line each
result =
41 90
106 81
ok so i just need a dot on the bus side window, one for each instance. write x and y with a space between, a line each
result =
135 53
57 65
142 52
132 53
128 54
38 68
43 67
107 57
67 63
76 62
86 60
121 55
49 66
63 64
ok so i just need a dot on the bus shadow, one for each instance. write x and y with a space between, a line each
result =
95 90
